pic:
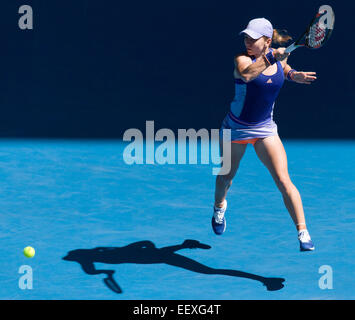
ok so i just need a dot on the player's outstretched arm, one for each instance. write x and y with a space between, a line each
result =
305 77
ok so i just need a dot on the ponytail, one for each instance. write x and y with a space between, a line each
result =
280 37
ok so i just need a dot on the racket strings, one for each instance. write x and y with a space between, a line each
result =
317 35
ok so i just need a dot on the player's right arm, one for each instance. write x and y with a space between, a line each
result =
246 70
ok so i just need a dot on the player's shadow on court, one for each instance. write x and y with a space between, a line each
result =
145 252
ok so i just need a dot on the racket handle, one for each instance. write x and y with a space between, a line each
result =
291 48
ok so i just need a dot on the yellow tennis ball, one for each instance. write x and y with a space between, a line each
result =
29 252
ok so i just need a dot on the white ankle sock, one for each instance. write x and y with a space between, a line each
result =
224 206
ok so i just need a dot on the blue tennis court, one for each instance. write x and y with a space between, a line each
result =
143 231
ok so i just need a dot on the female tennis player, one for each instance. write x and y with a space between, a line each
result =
259 75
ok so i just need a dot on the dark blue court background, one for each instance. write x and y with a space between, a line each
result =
95 68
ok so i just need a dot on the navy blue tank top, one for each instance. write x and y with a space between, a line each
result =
254 101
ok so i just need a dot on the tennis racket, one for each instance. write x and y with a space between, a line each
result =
318 31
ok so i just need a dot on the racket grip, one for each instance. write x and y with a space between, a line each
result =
291 48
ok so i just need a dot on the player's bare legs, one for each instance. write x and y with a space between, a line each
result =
271 152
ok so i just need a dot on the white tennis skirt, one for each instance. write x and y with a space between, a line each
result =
243 131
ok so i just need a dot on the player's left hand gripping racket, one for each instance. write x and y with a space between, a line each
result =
318 31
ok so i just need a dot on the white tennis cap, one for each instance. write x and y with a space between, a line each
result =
259 27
